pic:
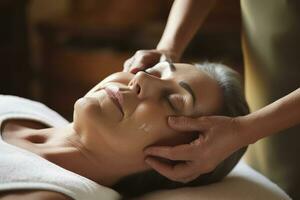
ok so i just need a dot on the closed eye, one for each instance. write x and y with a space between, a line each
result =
176 102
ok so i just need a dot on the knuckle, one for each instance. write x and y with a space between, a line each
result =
195 176
140 52
176 178
140 59
172 177
185 180
183 176
127 64
208 167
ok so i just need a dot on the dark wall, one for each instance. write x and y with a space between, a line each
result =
14 62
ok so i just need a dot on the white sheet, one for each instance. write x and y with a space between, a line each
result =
243 183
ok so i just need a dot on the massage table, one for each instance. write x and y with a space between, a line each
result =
243 183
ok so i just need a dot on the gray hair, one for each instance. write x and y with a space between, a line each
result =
234 105
231 85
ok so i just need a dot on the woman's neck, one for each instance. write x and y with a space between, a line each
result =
63 146
66 149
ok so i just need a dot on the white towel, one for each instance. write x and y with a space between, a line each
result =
243 183
21 169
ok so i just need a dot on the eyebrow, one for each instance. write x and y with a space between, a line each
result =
188 88
183 84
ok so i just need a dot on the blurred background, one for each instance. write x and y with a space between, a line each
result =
54 51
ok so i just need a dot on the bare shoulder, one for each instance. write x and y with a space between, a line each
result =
33 195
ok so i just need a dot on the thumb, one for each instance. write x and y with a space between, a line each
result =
127 64
137 66
187 123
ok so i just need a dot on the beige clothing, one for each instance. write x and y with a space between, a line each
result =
271 39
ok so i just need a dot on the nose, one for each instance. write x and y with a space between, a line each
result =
148 86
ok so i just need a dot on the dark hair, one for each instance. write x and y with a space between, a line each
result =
234 105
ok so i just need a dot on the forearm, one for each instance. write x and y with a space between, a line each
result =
185 18
282 114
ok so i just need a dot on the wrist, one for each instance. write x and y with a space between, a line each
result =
246 130
172 52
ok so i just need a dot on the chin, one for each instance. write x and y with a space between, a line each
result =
86 109
88 113
85 104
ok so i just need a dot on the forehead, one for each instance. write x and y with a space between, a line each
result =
206 89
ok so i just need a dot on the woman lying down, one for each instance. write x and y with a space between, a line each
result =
42 156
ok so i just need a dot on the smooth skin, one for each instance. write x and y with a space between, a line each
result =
105 142
225 133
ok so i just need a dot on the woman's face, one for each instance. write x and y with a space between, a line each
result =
125 113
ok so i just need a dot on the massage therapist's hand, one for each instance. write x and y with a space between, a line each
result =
218 138
144 59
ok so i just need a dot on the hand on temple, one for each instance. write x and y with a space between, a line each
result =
144 59
218 138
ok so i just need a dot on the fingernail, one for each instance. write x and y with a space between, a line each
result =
134 70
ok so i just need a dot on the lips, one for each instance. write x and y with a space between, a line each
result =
116 97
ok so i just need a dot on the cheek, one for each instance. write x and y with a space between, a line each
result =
87 115
88 120
146 126
138 131
150 127
149 118
85 109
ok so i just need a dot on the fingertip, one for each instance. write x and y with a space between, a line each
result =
153 163
134 70
148 160
153 151
199 141
196 142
